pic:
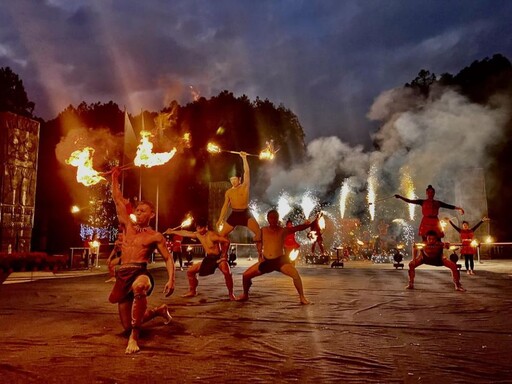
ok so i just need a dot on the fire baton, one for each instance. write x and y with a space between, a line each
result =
384 198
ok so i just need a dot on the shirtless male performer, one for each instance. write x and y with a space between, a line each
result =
215 247
237 198
274 257
133 281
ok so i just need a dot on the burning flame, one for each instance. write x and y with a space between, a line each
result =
75 209
189 248
419 245
186 222
294 254
133 218
269 152
85 174
474 243
213 148
312 236
145 156
489 239
372 185
359 242
443 224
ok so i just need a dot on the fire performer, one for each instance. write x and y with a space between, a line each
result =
273 257
290 244
430 210
133 281
216 249
466 238
316 235
237 198
432 254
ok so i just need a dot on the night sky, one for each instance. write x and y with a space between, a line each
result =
327 61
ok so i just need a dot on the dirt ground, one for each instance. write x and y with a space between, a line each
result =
362 327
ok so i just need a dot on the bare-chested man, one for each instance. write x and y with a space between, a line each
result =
273 257
133 281
432 254
215 247
237 198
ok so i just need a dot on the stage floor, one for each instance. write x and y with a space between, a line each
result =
362 327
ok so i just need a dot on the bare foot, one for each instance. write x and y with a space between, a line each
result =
409 286
132 347
472 272
163 311
459 288
111 280
242 297
232 297
189 294
304 301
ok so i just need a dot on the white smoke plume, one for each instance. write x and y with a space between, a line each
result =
435 138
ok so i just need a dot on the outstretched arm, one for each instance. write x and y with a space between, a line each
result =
181 232
475 227
450 206
119 200
247 173
454 226
417 201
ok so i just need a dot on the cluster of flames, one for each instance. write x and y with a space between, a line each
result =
82 159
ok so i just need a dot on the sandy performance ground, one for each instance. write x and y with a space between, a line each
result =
362 327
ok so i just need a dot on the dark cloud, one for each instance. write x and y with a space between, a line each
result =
325 60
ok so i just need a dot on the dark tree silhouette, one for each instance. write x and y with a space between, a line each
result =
422 82
13 97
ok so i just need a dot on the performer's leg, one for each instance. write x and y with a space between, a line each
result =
140 287
455 274
471 264
228 278
226 229
290 270
466 263
254 227
247 277
192 280
413 264
125 314
162 311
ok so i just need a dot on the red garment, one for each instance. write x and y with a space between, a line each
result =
290 242
176 243
466 237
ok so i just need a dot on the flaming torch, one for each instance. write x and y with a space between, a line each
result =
185 223
85 174
266 154
145 156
